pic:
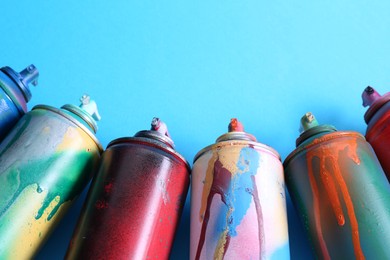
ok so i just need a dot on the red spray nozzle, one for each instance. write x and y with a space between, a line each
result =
235 126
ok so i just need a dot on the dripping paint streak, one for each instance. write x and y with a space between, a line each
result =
330 187
219 186
327 153
351 212
259 213
207 184
313 184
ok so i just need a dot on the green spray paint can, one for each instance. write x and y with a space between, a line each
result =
45 163
340 191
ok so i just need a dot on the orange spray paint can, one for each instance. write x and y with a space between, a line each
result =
340 191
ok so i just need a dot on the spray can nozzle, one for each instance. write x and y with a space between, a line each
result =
23 79
369 96
235 126
307 121
29 75
310 127
159 126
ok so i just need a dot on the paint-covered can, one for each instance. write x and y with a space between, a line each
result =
340 191
377 118
238 202
14 95
135 201
46 161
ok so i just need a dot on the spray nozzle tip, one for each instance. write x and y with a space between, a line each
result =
159 126
369 96
235 126
90 106
308 121
29 75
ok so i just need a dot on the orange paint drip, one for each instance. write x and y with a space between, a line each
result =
331 177
207 184
316 208
351 213
330 187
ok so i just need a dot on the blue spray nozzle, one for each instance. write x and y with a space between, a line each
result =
23 79
29 75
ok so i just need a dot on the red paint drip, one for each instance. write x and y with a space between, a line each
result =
220 186
330 177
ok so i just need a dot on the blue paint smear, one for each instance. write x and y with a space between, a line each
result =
240 191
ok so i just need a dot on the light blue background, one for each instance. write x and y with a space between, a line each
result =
196 64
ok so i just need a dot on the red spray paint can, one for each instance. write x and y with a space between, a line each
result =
135 201
377 118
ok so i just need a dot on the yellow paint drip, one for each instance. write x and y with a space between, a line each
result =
229 158
21 238
220 250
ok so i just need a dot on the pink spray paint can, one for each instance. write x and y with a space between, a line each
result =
238 206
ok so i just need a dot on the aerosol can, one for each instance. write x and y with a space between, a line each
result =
340 191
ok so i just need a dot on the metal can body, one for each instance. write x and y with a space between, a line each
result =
342 195
9 111
45 162
134 204
14 95
238 207
378 135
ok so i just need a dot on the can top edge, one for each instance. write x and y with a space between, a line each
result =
234 135
321 139
80 125
237 142
157 136
314 131
153 143
82 114
15 77
375 107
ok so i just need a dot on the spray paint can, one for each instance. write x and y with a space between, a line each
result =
14 95
377 118
45 162
339 188
135 201
238 205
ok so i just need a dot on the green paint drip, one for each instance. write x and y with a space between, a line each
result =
69 170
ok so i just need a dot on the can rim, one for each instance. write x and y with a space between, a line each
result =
314 131
15 77
375 107
157 136
321 139
70 118
237 142
153 143
21 109
83 114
